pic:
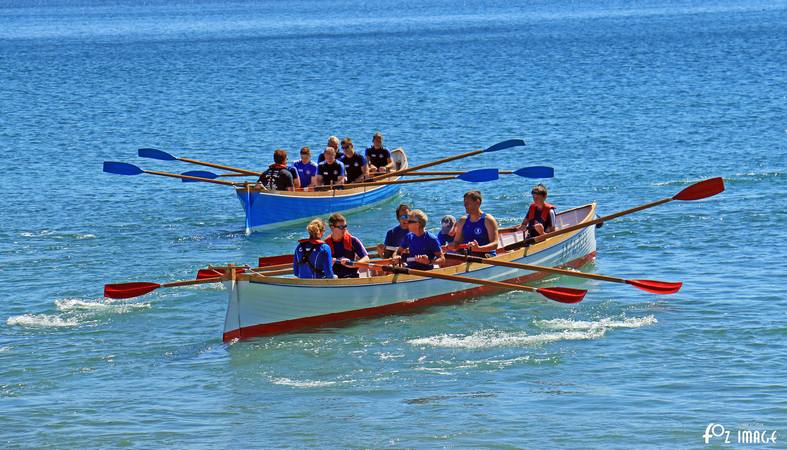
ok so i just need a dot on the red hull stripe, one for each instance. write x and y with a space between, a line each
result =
306 323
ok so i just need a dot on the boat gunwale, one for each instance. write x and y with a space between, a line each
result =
461 268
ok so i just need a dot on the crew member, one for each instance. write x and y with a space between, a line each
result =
423 247
477 229
329 172
278 176
312 255
345 248
395 235
305 167
333 142
540 218
354 164
378 156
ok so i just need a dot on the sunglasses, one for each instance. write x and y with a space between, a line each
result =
446 221
341 227
403 217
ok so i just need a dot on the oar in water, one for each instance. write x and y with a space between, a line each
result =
155 153
499 146
121 168
697 191
558 294
652 286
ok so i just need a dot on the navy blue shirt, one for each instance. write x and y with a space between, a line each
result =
395 235
426 244
321 158
305 172
378 157
476 231
353 167
444 238
358 250
320 258
330 173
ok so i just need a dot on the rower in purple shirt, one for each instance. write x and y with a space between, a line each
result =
395 235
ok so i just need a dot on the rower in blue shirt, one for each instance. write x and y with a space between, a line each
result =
395 235
477 229
423 246
354 164
313 257
306 168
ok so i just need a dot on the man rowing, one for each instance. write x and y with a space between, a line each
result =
329 172
447 231
278 176
540 218
395 235
379 157
306 168
478 230
313 258
345 248
333 142
423 247
354 164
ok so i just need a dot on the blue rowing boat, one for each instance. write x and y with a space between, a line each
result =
272 209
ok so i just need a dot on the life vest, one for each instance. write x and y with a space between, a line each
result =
543 218
306 254
347 243
270 178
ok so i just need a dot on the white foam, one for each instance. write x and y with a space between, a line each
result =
489 339
79 237
41 320
77 304
301 384
607 322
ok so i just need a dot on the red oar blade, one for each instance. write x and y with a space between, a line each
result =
212 273
656 287
129 290
703 189
563 295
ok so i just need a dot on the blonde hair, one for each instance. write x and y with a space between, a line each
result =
330 150
316 228
420 216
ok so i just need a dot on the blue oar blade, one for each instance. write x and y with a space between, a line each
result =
155 154
536 172
480 175
198 173
122 168
505 144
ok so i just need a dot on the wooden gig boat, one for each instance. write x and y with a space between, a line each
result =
266 305
270 209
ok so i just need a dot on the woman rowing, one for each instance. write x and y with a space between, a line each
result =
477 229
344 248
313 258
423 246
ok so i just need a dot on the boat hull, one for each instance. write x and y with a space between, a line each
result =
260 308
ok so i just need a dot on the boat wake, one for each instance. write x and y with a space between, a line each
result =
75 312
301 384
569 330
41 321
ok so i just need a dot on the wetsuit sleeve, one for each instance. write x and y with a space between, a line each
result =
358 247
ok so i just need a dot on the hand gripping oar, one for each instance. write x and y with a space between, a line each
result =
697 191
558 294
135 289
499 146
473 176
526 172
652 286
164 156
121 168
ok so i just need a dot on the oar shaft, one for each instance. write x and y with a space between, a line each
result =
220 166
425 165
384 183
190 282
536 268
189 177
450 172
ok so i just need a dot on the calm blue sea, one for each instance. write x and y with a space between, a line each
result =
629 101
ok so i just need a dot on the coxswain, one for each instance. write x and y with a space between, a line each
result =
313 256
447 231
395 235
333 142
379 157
345 248
305 167
422 246
329 172
278 176
354 164
540 218
477 229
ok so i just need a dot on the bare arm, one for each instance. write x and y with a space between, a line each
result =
491 227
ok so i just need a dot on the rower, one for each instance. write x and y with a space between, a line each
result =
378 156
344 248
423 246
540 218
278 176
329 172
447 232
313 256
354 163
306 167
477 229
395 235
333 142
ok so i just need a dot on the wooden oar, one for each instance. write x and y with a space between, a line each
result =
697 191
473 176
135 289
499 146
164 156
268 270
558 294
652 286
527 172
121 168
